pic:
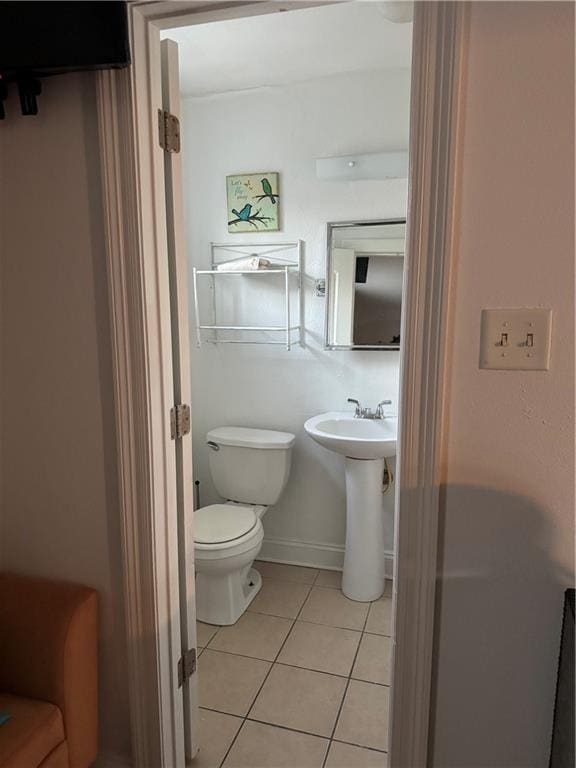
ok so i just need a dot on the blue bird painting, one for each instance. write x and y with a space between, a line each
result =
244 214
253 202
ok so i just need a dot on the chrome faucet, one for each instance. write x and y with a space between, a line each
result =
359 410
368 413
380 410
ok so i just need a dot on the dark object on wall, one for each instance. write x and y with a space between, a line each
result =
38 39
361 269
3 95
562 753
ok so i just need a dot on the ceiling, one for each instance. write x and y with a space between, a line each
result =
294 46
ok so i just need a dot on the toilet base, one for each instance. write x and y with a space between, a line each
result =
222 599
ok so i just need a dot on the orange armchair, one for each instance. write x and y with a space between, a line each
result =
48 673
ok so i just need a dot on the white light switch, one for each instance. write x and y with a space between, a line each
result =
516 339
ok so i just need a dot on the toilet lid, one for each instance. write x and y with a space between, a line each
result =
218 523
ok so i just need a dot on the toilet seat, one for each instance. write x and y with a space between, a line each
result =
223 523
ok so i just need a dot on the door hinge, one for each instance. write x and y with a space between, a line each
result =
186 666
168 131
179 421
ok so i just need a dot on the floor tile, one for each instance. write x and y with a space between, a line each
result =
326 649
296 573
347 756
230 683
217 732
332 579
380 617
263 746
373 661
329 606
300 699
254 634
280 598
364 717
204 633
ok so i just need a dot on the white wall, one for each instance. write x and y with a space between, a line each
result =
285 129
507 532
60 494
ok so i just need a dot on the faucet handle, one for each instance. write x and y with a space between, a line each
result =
380 409
358 411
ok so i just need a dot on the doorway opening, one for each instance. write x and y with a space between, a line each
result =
294 654
145 213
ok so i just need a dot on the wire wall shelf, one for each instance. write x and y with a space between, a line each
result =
285 266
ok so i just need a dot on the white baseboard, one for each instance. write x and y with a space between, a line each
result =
313 554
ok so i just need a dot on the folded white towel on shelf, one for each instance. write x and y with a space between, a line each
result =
250 263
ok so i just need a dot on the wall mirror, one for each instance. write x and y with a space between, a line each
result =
364 270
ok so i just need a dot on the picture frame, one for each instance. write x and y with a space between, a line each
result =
253 202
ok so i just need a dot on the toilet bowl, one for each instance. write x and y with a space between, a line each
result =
227 539
250 468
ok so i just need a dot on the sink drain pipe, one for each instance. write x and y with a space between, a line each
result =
387 477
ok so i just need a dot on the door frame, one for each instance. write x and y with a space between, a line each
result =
136 257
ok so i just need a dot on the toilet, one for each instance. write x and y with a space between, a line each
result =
250 469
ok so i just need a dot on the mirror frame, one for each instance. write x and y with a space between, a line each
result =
330 227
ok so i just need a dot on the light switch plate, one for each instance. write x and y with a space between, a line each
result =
515 339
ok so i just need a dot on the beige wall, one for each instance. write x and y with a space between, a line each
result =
507 531
60 495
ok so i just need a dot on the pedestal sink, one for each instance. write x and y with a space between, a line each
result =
365 443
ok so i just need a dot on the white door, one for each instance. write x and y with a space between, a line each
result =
181 363
342 293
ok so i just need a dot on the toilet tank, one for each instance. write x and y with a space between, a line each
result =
250 465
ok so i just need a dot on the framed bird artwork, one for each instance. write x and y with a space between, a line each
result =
253 202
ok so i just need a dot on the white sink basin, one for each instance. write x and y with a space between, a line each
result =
355 438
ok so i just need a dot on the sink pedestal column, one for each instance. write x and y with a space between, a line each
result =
363 576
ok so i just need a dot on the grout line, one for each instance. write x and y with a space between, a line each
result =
332 674
290 618
292 581
377 634
222 712
289 581
274 615
361 746
280 649
317 623
293 730
346 688
213 636
285 728
307 621
369 682
327 739
242 655
330 626
259 690
275 661
298 666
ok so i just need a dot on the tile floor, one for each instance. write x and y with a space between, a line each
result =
300 681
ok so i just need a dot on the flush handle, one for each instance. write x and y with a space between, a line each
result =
213 445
